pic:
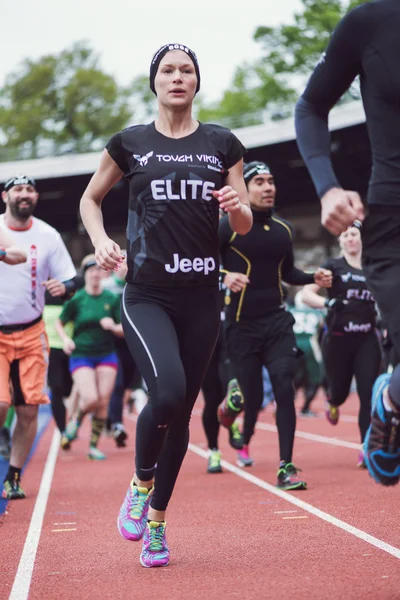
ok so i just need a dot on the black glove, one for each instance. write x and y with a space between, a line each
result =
335 303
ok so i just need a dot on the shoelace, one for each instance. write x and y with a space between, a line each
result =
156 538
291 470
139 502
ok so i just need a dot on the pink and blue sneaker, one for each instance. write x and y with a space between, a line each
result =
155 551
132 516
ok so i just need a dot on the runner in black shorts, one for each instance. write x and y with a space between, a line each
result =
180 172
365 43
350 347
259 330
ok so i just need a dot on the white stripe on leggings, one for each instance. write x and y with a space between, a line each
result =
138 334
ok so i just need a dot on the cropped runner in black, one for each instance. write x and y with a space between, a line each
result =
350 347
365 43
180 173
259 329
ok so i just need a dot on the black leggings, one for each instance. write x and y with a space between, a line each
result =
60 383
346 356
171 333
270 342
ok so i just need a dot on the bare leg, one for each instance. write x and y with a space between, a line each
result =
24 434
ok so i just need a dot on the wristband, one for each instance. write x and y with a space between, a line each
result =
3 253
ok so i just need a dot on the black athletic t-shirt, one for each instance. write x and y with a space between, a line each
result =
359 315
366 43
172 227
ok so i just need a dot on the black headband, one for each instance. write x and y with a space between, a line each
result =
159 55
19 180
91 263
254 168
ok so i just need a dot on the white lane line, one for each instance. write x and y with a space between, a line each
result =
22 581
313 437
362 535
322 439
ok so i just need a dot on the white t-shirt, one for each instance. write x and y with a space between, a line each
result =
21 289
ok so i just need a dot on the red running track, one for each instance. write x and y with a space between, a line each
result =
229 537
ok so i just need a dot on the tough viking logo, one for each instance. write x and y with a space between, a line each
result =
143 160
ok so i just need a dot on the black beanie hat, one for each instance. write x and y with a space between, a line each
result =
159 55
254 168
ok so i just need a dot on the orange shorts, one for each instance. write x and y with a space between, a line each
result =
24 359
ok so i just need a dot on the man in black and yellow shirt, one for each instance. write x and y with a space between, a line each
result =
259 329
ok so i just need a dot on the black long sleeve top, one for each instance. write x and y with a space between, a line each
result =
265 255
366 43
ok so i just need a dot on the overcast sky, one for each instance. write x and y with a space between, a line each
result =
126 32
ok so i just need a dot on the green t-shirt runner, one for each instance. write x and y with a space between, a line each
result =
86 311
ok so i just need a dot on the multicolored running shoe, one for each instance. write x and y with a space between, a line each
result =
214 462
232 406
332 414
12 490
235 437
96 454
155 551
71 430
243 458
382 441
65 442
288 478
361 460
132 516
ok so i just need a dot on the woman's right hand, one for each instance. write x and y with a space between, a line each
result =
108 254
69 346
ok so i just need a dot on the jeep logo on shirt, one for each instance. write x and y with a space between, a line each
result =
186 265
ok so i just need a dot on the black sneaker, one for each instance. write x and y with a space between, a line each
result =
288 478
5 443
235 437
12 490
119 435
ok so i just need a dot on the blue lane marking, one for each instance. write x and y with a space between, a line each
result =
44 419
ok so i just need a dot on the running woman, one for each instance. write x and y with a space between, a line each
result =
95 315
259 329
366 43
350 347
180 172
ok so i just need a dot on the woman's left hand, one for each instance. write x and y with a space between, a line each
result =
228 199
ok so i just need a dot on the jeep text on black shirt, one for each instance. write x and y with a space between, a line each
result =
349 284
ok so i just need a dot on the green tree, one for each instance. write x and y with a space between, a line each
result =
288 55
296 48
253 87
62 100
